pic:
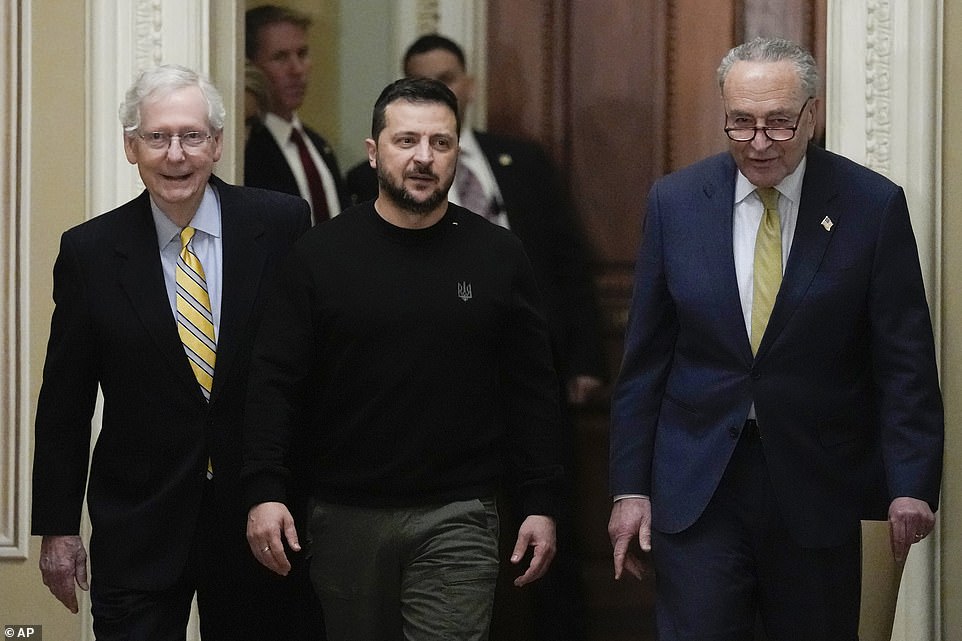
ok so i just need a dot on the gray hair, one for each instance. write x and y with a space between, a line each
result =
164 80
773 50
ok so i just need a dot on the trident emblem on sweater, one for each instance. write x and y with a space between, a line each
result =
464 291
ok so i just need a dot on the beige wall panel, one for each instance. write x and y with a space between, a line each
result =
951 513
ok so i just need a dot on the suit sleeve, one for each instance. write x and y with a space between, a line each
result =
280 363
649 346
904 362
65 405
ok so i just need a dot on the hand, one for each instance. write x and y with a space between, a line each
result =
537 532
63 562
630 518
266 523
582 389
910 521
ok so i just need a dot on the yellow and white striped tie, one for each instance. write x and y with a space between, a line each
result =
767 274
195 321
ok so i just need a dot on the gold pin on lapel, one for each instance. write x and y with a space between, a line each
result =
505 159
827 223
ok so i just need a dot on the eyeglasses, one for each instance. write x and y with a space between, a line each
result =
161 139
775 134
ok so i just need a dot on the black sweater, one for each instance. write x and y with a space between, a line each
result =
399 367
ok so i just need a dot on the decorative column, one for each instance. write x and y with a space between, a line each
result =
884 111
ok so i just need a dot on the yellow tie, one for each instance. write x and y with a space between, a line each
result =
195 322
768 265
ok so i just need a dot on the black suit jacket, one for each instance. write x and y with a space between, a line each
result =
266 167
540 215
113 327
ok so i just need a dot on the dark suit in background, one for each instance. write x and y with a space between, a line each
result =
760 517
266 167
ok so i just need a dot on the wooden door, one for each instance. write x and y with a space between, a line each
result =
620 92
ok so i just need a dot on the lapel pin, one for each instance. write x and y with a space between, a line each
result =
827 223
505 159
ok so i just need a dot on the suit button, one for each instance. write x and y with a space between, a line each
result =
756 376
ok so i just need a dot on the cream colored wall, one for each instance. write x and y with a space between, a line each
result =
56 195
951 512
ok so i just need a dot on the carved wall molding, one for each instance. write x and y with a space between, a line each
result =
14 332
148 20
427 16
878 86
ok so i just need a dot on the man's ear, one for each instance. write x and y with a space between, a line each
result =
129 150
371 147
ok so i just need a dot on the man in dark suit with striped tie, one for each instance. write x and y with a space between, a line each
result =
157 303
282 153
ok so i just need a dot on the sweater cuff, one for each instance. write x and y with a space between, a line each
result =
264 488
543 501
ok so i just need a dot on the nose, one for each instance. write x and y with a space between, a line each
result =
423 153
175 150
299 65
760 140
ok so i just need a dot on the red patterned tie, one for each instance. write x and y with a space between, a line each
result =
314 184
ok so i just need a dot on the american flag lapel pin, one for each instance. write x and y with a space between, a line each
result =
827 223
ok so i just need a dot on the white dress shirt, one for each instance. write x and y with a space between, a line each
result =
281 131
474 159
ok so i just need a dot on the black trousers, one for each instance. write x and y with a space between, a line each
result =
237 598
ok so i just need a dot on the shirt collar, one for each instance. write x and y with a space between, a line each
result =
468 142
280 128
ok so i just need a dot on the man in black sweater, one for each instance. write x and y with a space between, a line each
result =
403 373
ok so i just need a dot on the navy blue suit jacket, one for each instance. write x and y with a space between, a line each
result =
113 327
844 383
